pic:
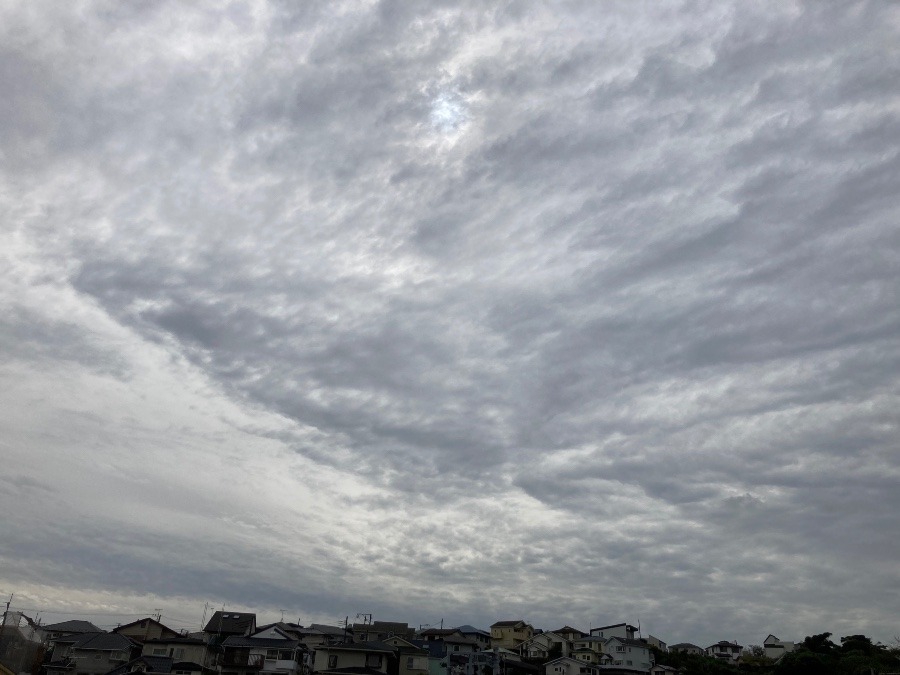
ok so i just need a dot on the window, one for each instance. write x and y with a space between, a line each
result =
410 662
332 660
179 653
620 648
373 660
271 655
98 656
159 651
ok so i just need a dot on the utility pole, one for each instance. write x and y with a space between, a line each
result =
3 625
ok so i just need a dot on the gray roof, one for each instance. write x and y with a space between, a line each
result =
230 623
112 642
370 646
72 626
241 641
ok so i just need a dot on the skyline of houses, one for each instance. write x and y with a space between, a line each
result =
231 643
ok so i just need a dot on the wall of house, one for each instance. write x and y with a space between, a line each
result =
91 662
346 659
179 652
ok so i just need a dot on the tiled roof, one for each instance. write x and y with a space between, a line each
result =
370 646
507 623
241 641
72 626
104 642
230 623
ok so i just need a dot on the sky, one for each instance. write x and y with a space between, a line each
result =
573 312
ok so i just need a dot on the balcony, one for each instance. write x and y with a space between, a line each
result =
241 659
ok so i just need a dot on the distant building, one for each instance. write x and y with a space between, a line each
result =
776 648
510 634
686 648
146 629
724 650
621 630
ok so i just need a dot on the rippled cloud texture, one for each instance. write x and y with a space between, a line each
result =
581 313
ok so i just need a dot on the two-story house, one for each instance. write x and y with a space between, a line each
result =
543 646
379 630
724 650
273 651
90 653
587 649
225 624
776 648
628 654
510 634
412 659
481 637
181 649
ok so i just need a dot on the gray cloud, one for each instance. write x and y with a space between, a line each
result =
478 311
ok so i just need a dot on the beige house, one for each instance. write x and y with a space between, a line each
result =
412 660
510 634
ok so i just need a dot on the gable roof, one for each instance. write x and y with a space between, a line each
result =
111 642
509 623
72 626
567 629
230 623
139 624
245 641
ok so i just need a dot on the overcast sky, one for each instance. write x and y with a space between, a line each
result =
574 312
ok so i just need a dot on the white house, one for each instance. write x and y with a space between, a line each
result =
727 651
565 665
622 630
628 654
776 648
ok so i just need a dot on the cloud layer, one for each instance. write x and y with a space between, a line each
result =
580 314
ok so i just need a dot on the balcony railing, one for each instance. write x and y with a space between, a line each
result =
241 660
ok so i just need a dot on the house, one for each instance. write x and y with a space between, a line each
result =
510 634
686 648
776 648
412 658
379 630
318 634
727 651
627 654
194 650
90 653
543 646
355 658
145 664
656 643
482 637
245 655
587 649
566 665
224 624
568 633
663 670
146 629
622 630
